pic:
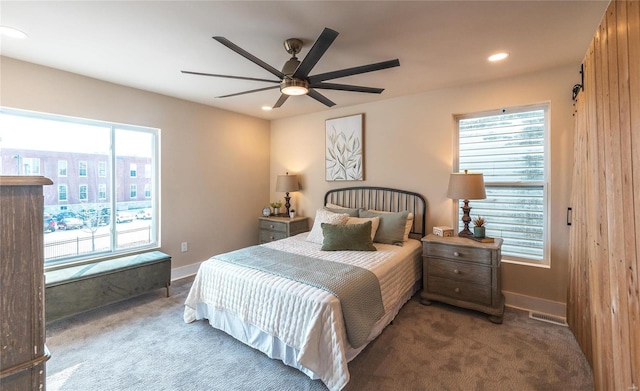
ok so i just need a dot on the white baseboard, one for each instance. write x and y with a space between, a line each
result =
535 304
185 271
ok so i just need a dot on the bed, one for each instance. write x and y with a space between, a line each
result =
292 312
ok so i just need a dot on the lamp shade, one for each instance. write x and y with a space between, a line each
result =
465 186
287 183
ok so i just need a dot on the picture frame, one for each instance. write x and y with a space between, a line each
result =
344 148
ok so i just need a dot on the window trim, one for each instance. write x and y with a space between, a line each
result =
66 192
155 185
64 163
546 184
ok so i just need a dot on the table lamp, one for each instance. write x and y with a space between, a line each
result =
466 186
286 184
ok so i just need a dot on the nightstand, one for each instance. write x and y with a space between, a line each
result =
276 228
464 273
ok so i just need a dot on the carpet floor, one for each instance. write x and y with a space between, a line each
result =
142 344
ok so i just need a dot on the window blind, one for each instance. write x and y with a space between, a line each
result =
509 149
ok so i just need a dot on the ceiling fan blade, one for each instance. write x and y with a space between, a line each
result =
354 71
320 98
230 77
249 56
247 92
281 100
318 49
346 87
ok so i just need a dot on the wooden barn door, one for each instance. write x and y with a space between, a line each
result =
603 308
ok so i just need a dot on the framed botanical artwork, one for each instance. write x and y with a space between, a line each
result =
344 149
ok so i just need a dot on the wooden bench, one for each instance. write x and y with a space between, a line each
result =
76 289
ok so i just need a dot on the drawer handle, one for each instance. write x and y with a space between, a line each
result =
457 290
456 271
271 226
273 237
456 254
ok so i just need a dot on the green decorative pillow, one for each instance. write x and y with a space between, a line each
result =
391 228
355 237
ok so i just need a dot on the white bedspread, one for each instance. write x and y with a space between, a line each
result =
305 318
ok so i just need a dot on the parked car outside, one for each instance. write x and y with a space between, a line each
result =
124 216
70 223
105 216
49 225
143 214
87 213
66 213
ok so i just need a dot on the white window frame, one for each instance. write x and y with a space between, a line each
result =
133 191
152 135
61 192
83 192
62 168
31 165
545 184
133 170
83 169
102 169
102 191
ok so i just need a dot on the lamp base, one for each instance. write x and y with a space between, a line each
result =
466 219
465 234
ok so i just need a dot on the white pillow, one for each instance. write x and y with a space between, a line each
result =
375 223
407 227
325 216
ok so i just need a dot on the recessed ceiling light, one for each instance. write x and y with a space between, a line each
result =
266 108
10 32
498 56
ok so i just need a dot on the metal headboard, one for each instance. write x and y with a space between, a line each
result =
383 198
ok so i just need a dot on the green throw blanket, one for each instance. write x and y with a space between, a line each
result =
357 289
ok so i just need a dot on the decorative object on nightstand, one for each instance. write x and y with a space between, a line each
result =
276 228
276 205
443 231
464 273
266 211
287 184
466 186
478 229
292 213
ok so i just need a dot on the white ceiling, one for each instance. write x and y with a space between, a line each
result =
145 44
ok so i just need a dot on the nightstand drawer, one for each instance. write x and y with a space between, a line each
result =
459 290
459 271
462 253
270 236
273 225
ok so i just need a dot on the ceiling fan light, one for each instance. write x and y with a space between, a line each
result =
294 87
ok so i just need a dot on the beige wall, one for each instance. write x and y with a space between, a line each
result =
219 168
409 145
214 163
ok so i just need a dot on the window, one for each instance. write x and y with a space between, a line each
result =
62 192
102 191
96 158
31 166
147 171
133 170
147 191
133 191
62 168
83 193
509 148
102 169
82 169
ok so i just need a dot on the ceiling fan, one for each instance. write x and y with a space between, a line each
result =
294 79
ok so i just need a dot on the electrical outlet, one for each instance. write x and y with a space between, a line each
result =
184 247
